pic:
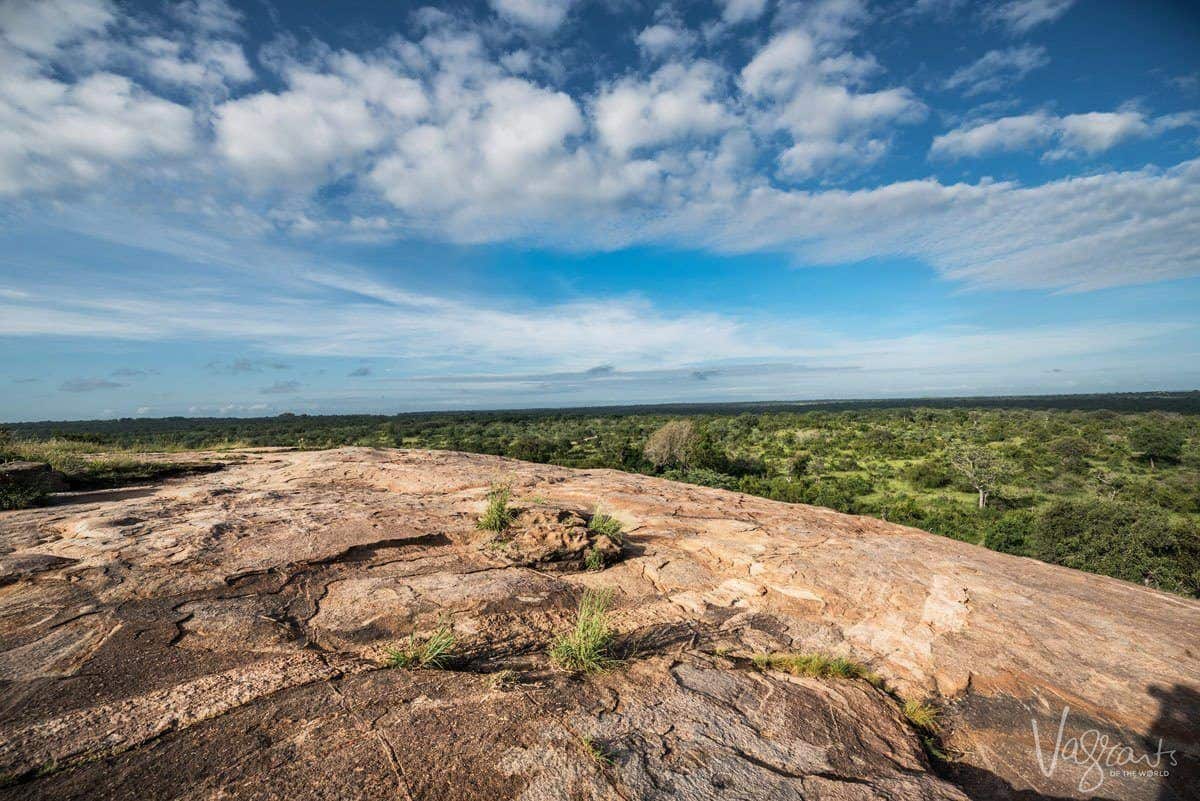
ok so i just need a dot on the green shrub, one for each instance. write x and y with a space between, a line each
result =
929 474
607 526
1133 542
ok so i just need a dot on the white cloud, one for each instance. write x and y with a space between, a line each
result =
216 17
1021 16
737 11
1005 134
1079 233
54 134
39 27
678 101
997 69
1075 135
664 39
316 128
540 15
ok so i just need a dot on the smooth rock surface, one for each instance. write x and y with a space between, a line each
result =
223 637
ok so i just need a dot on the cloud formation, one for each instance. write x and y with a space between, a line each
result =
997 69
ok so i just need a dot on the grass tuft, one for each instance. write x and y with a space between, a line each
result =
817 666
584 649
432 653
596 752
497 517
921 715
607 525
593 560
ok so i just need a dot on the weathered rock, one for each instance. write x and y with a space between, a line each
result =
222 637
552 539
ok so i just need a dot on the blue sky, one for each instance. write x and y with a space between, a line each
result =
212 208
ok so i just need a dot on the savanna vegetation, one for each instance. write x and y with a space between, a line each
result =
1105 483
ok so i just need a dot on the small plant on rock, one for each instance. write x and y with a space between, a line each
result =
593 559
923 716
431 653
606 525
584 649
497 517
817 666
596 752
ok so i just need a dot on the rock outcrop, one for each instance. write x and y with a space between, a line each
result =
225 635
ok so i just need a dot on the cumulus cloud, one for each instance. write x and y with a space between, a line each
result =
314 130
1072 135
736 11
664 38
676 102
59 134
804 87
997 69
540 15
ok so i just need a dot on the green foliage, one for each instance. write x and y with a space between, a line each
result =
1128 541
929 473
593 560
585 648
433 652
1157 441
816 666
497 517
924 717
606 525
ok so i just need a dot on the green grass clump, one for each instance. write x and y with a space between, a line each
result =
593 559
432 653
497 517
607 525
584 648
921 715
817 666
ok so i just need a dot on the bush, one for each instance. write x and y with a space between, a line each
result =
929 474
703 477
1132 542
1157 441
1011 533
672 444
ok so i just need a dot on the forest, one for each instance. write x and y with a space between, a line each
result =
1107 483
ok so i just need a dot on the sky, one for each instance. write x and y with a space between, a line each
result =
213 208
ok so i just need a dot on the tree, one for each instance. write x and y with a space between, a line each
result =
672 444
1157 440
979 467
